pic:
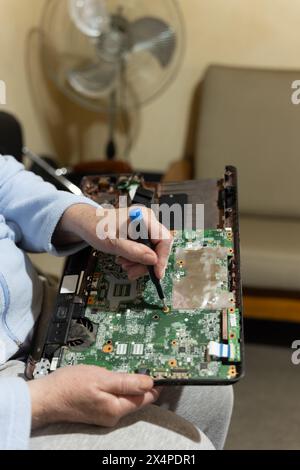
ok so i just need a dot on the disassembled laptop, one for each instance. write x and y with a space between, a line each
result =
103 319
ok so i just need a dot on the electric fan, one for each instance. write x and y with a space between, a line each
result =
112 55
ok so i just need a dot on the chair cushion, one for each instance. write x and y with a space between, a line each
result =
247 119
270 253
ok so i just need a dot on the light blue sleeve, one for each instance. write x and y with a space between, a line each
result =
33 207
15 414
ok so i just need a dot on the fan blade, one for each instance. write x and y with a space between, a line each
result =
95 79
90 16
154 35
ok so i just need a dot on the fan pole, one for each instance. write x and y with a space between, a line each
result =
111 148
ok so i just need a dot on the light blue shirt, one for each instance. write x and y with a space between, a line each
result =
30 210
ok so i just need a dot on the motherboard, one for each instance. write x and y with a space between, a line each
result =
124 327
102 318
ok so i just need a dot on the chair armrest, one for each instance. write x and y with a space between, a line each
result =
179 171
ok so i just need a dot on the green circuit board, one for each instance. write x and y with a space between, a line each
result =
125 328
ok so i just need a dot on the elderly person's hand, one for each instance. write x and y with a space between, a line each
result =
106 230
88 395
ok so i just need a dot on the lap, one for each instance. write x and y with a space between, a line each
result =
151 428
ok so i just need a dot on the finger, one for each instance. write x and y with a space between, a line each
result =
121 260
130 250
158 232
134 270
125 384
129 404
162 238
129 264
132 267
127 267
137 271
163 250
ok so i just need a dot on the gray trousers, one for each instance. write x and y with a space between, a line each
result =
188 418
184 418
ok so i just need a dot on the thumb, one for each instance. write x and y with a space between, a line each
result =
132 251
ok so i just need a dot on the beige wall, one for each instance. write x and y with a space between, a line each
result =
248 32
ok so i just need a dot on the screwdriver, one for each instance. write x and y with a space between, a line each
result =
136 216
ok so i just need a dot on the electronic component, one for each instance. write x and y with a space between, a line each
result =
121 349
104 319
130 332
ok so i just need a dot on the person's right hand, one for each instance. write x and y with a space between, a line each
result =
90 395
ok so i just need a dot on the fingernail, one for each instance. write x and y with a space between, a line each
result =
146 384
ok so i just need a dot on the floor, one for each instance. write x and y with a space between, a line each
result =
267 401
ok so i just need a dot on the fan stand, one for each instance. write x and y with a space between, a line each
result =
110 165
111 149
